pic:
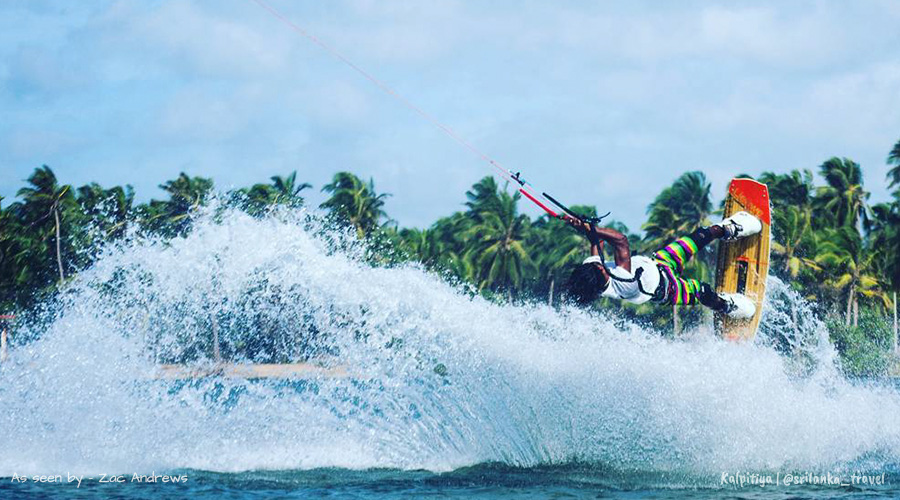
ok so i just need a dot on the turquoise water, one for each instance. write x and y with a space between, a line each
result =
483 481
445 394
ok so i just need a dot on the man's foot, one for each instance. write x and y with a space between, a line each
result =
740 225
739 306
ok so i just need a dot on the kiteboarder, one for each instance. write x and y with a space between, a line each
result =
639 279
634 279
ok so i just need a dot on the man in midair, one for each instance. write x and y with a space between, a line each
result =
639 279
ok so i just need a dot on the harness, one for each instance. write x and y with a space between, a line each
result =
658 295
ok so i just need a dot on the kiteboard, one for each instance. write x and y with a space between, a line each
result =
743 265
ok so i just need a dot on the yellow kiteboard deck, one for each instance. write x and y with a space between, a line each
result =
743 265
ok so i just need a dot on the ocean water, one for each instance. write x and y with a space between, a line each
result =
445 394
484 481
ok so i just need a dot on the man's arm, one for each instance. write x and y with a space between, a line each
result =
596 246
598 235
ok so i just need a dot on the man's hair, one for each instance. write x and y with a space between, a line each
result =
585 284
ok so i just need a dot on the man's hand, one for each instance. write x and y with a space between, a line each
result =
598 235
577 223
584 227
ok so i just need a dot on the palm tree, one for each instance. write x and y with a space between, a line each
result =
355 202
884 243
793 228
884 237
283 190
842 250
257 199
678 209
843 200
662 226
108 208
483 197
558 247
171 217
45 197
287 190
187 193
15 277
894 159
791 196
420 245
791 189
497 249
449 243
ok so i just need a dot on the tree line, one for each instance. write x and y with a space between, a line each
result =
830 243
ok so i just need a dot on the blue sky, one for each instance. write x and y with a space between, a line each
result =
596 102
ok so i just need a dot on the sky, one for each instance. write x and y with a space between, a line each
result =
595 102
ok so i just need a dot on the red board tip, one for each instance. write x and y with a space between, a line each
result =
753 195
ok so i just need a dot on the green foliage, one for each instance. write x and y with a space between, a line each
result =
884 234
17 280
865 349
794 243
894 159
849 268
497 239
555 250
45 207
355 202
827 242
260 198
171 217
792 189
678 209
842 200
107 209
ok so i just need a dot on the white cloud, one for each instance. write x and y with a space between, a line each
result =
784 35
194 114
855 103
400 31
587 98
197 41
750 102
25 143
337 103
33 68
760 33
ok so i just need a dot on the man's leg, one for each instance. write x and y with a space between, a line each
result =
690 292
675 255
679 252
709 298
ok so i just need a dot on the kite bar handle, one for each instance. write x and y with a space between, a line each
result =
582 218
